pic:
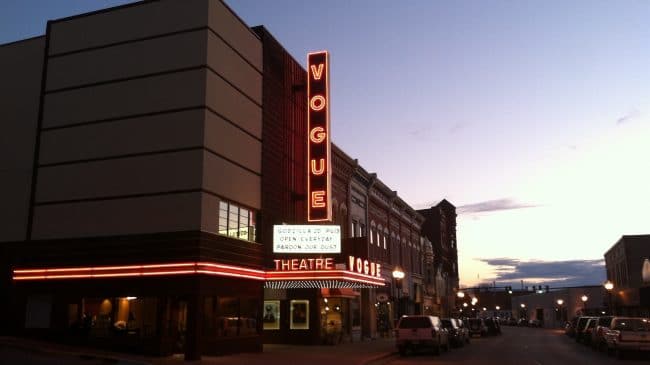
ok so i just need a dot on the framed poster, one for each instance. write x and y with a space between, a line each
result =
271 315
299 315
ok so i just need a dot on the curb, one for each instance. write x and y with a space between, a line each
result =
33 348
377 358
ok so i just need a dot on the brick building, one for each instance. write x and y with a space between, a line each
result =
146 168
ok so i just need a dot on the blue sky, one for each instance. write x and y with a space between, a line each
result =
532 117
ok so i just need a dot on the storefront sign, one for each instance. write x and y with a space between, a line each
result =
304 264
361 266
319 176
306 239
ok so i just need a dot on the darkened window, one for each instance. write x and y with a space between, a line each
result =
355 227
236 221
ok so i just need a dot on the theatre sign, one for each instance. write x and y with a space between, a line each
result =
319 176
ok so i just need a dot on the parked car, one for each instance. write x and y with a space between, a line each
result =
455 333
581 326
477 327
570 327
462 324
588 331
534 323
598 341
493 327
512 321
421 332
628 334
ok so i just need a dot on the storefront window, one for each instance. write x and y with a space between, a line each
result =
128 316
228 319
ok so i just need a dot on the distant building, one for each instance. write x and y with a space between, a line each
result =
555 307
624 262
440 229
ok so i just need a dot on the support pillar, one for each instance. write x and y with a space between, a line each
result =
193 338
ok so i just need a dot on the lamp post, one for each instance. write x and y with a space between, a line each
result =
398 275
584 299
522 313
560 309
609 286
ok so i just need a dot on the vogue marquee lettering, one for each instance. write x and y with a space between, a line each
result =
362 266
319 177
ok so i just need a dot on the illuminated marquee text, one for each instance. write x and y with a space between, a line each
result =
304 264
362 266
318 143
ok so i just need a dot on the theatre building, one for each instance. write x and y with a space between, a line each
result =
160 160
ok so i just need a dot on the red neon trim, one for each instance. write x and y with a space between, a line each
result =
188 268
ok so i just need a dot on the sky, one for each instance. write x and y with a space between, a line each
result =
531 117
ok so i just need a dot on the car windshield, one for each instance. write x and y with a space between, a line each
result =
415 322
446 323
633 324
605 321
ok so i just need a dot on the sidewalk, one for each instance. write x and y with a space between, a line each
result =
358 353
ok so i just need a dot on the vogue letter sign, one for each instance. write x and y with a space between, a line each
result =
319 177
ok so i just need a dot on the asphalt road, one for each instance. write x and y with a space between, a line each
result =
521 346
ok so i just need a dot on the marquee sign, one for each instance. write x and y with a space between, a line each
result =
319 176
306 239
357 266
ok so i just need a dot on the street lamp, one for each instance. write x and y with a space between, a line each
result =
398 275
460 294
584 299
560 309
522 311
498 308
609 286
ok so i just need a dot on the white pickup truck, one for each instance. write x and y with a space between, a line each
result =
421 332
628 334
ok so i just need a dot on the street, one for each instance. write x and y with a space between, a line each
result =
521 346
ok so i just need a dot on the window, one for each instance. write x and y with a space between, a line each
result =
372 236
236 221
362 230
354 229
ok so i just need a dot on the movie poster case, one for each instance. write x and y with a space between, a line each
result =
299 314
271 315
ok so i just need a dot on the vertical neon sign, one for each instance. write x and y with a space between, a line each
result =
319 179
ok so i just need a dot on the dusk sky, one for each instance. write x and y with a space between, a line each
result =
532 117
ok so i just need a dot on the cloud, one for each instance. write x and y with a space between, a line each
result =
492 206
553 273
628 117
